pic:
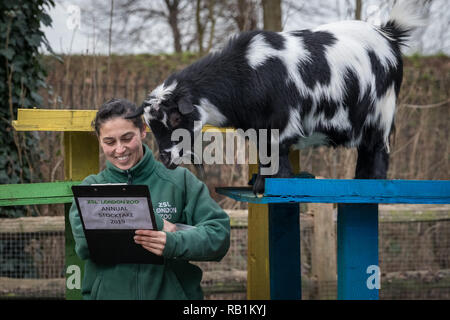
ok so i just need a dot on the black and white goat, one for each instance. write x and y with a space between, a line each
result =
336 84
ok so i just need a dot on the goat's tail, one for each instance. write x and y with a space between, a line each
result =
404 18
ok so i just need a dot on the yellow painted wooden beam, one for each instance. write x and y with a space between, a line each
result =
54 120
64 120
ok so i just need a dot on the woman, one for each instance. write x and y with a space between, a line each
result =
183 199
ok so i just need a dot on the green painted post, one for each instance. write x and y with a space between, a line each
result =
74 265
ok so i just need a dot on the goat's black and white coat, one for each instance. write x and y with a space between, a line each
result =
336 84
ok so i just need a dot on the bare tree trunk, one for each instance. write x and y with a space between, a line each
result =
172 6
358 9
246 16
200 26
110 38
272 15
212 18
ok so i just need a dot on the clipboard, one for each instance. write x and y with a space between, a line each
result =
110 214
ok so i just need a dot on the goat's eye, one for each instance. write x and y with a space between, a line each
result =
165 104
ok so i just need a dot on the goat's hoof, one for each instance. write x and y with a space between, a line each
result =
258 186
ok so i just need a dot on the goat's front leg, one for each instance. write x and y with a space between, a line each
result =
278 167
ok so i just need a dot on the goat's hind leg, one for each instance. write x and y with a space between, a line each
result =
373 161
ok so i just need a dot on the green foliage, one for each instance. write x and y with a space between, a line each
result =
21 75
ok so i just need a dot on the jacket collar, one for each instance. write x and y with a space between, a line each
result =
141 169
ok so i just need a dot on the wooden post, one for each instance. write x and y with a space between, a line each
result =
81 158
284 251
81 155
269 274
284 244
358 269
324 266
258 276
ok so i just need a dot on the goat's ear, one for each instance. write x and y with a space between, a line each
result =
137 113
185 105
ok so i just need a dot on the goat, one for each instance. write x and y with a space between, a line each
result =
336 84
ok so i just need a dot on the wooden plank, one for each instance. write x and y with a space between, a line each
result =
32 224
65 120
36 193
357 252
387 213
413 212
222 281
359 190
245 194
14 288
54 120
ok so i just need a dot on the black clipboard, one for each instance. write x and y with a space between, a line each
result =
109 245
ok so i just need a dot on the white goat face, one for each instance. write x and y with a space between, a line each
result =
153 110
166 110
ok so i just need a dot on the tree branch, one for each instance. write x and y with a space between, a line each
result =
427 106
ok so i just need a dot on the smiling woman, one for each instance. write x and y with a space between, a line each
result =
179 198
121 142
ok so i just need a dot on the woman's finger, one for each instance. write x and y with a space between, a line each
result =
150 243
153 247
149 233
154 250
160 239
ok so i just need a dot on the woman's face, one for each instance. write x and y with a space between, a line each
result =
121 142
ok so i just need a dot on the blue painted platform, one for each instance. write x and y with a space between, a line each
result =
345 191
357 226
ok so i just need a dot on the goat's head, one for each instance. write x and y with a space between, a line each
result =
166 109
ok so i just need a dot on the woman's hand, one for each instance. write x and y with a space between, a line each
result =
169 226
152 240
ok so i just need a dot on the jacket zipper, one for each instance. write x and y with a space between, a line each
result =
129 177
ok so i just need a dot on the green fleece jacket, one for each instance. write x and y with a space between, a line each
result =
179 197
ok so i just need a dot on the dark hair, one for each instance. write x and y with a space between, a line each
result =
116 108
